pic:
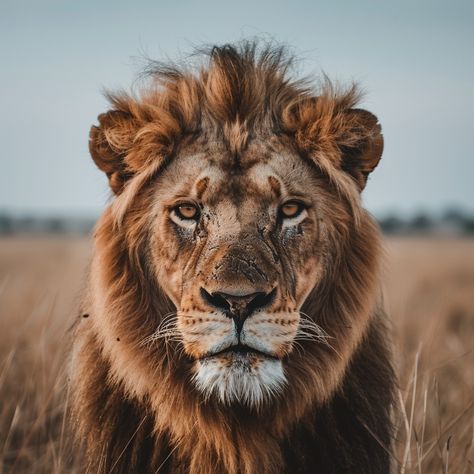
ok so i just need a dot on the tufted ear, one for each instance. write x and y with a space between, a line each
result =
109 143
362 145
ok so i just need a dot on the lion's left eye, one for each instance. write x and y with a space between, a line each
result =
291 209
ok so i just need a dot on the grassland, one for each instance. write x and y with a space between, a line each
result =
429 293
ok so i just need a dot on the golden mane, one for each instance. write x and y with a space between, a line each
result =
133 407
240 92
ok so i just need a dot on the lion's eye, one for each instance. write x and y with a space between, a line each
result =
291 209
187 211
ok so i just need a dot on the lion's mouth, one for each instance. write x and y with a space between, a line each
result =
241 350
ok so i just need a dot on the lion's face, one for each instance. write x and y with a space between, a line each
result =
235 247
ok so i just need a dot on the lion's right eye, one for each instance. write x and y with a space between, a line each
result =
186 211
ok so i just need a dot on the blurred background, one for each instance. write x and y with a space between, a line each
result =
414 61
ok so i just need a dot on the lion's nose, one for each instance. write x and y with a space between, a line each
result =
237 306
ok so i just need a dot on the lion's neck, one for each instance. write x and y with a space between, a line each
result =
350 430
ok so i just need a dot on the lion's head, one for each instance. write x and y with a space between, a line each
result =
235 266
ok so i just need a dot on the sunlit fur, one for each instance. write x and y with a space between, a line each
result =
151 391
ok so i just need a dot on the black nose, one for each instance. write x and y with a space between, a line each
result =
238 307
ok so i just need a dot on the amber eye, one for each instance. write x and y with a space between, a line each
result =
187 211
291 209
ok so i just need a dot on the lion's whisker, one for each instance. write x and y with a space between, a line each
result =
166 331
316 332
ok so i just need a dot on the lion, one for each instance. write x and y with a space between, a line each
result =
232 321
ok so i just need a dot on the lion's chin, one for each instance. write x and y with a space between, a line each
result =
245 379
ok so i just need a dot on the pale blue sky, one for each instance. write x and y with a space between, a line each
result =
413 58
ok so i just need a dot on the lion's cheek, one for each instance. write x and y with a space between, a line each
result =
310 273
170 280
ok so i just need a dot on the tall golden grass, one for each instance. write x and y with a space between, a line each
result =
429 293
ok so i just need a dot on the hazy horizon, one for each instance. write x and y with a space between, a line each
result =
413 59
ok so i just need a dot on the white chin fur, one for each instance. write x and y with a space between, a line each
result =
239 380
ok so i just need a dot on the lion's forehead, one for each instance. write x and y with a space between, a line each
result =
236 187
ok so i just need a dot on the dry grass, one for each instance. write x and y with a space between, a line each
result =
430 296
40 280
429 293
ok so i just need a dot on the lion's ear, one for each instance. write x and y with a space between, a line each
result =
363 145
109 143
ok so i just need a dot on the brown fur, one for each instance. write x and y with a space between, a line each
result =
135 406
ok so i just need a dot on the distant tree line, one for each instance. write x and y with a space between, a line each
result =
10 224
451 222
